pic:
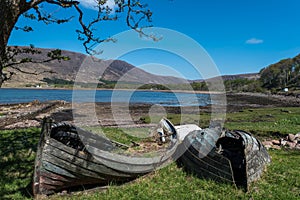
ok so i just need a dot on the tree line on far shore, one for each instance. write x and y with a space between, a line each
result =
276 78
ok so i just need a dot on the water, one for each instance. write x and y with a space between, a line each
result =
152 97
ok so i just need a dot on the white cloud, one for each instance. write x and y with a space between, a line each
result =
254 41
92 4
88 3
110 3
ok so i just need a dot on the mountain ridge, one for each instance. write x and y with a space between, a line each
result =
101 70
108 70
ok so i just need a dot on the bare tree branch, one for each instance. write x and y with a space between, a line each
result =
25 28
27 72
48 18
137 16
14 63
63 3
34 3
142 15
87 30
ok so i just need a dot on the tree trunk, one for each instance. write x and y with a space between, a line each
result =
10 11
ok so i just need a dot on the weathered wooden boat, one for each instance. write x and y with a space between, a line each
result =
69 156
226 156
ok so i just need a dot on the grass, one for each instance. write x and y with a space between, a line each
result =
262 122
17 154
266 122
281 180
122 135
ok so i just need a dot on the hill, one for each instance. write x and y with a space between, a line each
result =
285 73
248 76
275 77
278 78
105 70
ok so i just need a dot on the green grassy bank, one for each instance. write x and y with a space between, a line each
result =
281 180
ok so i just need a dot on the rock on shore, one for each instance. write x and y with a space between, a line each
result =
291 141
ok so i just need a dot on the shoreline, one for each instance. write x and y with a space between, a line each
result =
18 115
118 89
233 98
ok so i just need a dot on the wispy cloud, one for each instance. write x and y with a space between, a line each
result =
88 3
92 4
254 41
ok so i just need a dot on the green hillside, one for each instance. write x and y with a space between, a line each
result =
282 74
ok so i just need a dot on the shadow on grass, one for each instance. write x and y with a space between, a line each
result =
17 154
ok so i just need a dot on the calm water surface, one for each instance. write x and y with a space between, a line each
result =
153 97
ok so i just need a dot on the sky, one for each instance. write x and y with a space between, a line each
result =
240 36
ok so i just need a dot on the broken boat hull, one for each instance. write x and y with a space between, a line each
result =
68 156
234 157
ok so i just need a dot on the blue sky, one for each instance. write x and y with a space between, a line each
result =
241 36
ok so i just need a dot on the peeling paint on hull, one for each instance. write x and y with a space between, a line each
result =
234 157
69 156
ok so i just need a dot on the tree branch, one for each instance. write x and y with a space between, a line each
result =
134 10
87 30
13 52
63 3
49 18
25 28
136 15
34 3
27 72
143 15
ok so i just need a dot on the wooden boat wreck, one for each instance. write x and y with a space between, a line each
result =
226 156
69 156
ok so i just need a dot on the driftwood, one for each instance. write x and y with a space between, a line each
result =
48 106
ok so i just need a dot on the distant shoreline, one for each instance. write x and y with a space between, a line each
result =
240 99
119 89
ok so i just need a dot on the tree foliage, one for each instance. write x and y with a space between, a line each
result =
137 16
285 73
243 85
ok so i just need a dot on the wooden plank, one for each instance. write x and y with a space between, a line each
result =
132 164
94 146
116 161
90 164
74 169
217 164
46 179
66 130
95 139
132 160
204 171
46 189
123 163
47 182
58 171
212 158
